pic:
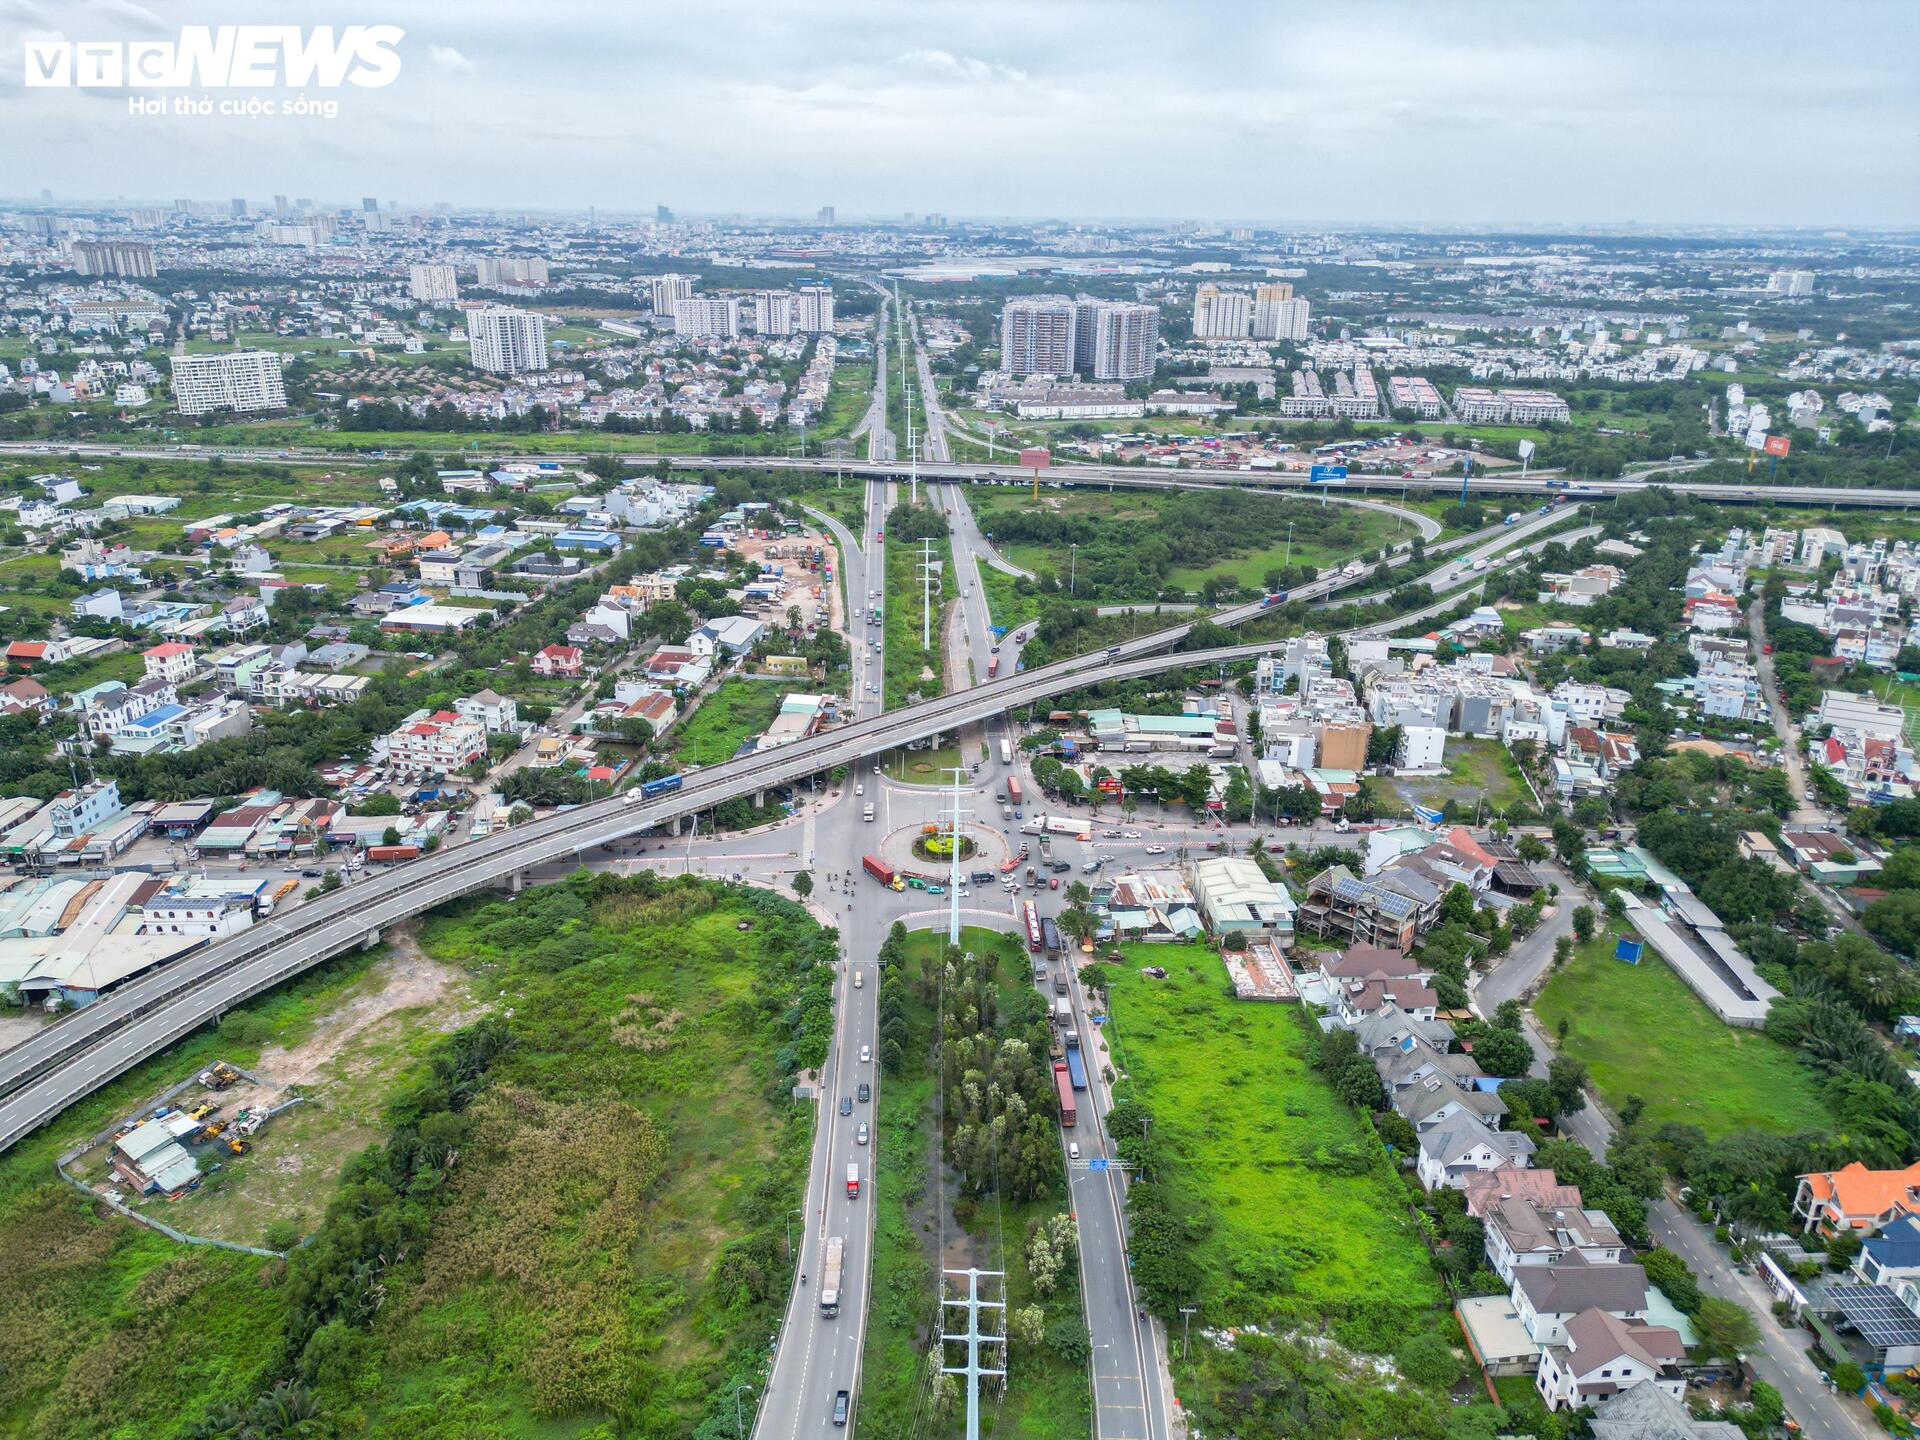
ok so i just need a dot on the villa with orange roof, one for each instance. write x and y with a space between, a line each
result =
1856 1198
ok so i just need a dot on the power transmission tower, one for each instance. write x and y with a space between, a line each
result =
973 1339
953 877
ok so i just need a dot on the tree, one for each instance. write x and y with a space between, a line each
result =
1583 919
803 884
1726 1330
1895 921
390 836
1849 1377
1532 849
1456 906
1503 1052
1567 1079
1569 840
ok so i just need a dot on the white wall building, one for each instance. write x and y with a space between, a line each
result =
505 341
813 309
433 284
230 380
712 319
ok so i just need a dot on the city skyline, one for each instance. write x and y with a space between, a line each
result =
1633 117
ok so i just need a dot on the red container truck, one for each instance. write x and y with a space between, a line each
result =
1063 1085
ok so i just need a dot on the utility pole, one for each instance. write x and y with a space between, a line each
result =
1073 568
1289 559
1186 1327
973 1339
926 594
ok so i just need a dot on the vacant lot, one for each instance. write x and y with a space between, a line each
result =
1262 1138
1642 1032
1477 770
726 719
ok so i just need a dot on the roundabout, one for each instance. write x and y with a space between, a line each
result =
915 849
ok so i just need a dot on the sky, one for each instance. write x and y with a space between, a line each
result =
1467 112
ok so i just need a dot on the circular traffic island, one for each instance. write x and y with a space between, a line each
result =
938 848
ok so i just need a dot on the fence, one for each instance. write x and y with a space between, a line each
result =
121 1208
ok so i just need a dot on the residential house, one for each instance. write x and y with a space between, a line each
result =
1363 912
244 614
729 634
1856 1198
1455 1148
1150 905
1644 1411
562 660
442 743
1487 1188
1603 1355
25 694
1548 1296
171 661
37 654
497 714
1522 1232
1365 976
1892 1255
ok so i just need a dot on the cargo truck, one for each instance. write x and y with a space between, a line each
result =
881 871
866 812
1076 1066
830 1277
1063 1087
853 1182
1063 1014
1015 795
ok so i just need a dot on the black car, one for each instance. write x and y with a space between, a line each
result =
846 1103
866 1092
1060 867
841 1400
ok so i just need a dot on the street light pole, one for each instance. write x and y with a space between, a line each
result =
739 1424
1073 568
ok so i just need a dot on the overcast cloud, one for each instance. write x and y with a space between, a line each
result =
1438 113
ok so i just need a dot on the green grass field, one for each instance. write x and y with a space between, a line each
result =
1641 1031
1260 1139
905 661
735 711
1477 769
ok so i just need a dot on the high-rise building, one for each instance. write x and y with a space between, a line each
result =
1220 314
505 341
1125 341
512 270
1276 314
123 259
1790 282
826 215
663 214
773 312
228 380
813 309
712 319
1037 334
433 284
279 204
663 290
367 203
237 207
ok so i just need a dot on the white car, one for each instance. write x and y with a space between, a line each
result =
1073 1150
866 1054
1156 849
1129 834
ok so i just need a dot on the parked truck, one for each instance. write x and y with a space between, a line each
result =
1063 1087
1076 1067
830 1278
1063 1014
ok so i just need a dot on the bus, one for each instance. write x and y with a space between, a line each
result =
1030 915
1006 751
830 1272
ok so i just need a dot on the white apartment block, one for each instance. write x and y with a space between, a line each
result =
504 341
707 319
813 310
123 259
1277 315
663 290
512 270
433 284
1116 340
773 312
1221 314
1037 335
230 380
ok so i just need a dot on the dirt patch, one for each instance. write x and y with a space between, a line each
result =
345 1066
19 1026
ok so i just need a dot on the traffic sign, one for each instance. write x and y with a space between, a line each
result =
1326 474
1096 1164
